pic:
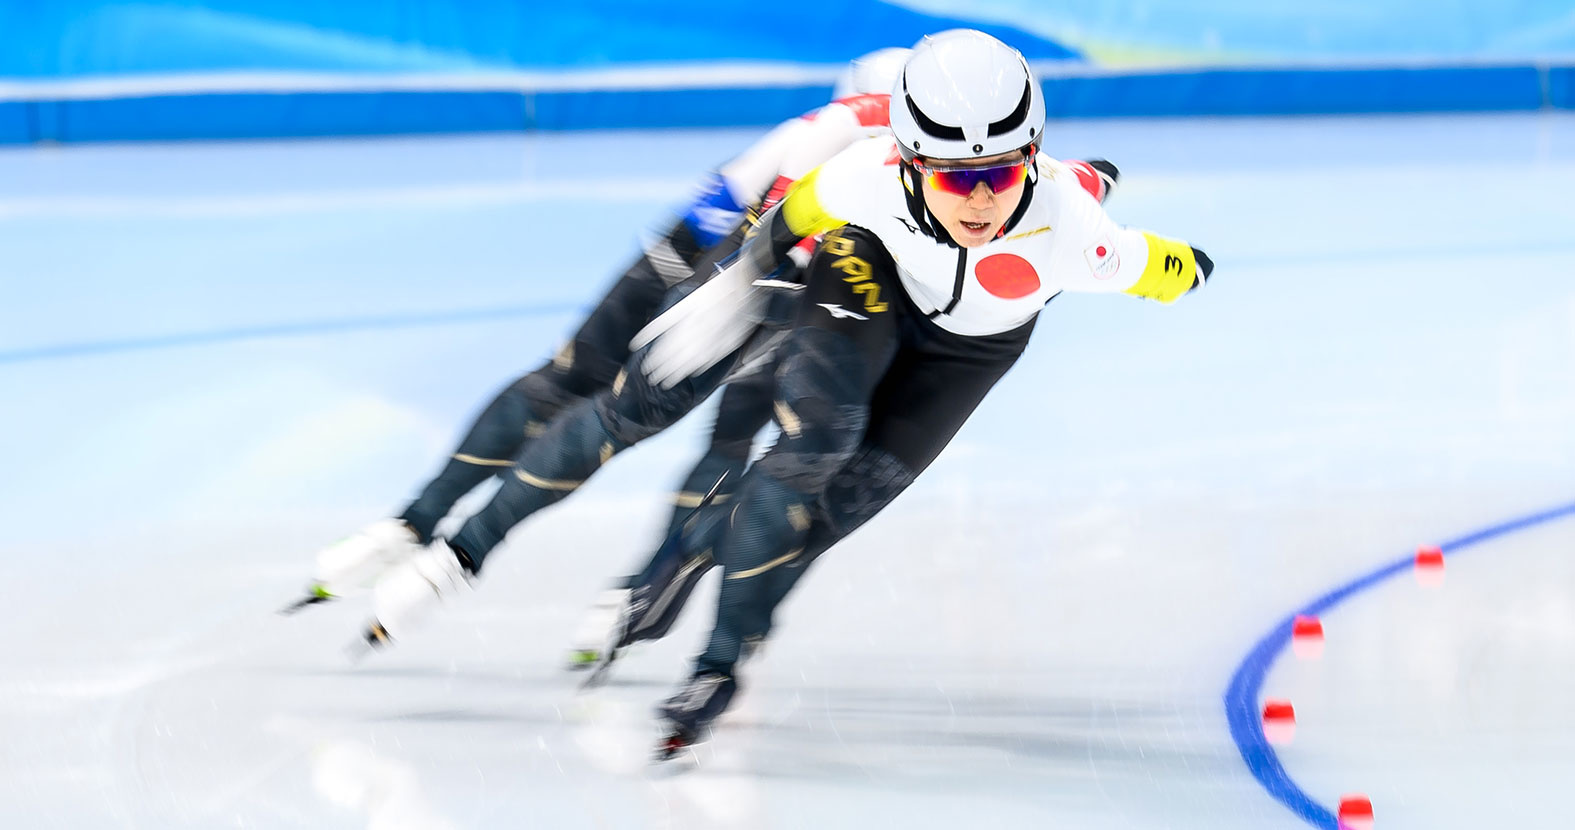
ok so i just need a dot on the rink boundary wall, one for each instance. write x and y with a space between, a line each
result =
286 105
1246 685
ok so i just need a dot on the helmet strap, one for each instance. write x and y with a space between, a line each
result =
917 209
1022 206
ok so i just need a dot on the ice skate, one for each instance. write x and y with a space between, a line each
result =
352 564
687 716
751 649
618 636
408 593
648 607
596 631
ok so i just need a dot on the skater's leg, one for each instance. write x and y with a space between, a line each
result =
548 469
830 369
584 366
924 397
517 414
645 606
577 444
744 408
676 567
822 394
862 488
912 422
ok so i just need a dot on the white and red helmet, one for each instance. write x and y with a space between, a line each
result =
875 73
964 94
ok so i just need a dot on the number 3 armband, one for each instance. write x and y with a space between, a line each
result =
1205 266
1173 269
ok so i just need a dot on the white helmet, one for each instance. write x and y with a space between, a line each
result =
872 73
965 94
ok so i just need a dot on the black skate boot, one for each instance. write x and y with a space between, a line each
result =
687 716
655 596
618 635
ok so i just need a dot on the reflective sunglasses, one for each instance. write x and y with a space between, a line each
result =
961 181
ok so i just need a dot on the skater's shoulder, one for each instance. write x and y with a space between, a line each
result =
872 154
868 110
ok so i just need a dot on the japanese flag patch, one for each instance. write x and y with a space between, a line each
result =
1103 259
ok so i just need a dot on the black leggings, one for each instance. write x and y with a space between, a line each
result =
744 408
869 392
587 435
587 364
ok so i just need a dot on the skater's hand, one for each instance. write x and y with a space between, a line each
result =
1205 267
703 328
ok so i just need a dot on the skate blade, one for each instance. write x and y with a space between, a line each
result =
583 659
669 748
611 651
601 671
375 638
304 602
674 748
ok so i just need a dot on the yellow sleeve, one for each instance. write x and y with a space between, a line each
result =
1171 270
803 211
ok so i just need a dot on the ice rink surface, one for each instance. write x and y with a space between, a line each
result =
216 358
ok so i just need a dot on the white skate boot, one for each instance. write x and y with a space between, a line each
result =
409 592
352 564
595 633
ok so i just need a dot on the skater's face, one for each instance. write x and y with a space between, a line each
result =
974 198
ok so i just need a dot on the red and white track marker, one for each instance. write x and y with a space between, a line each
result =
1430 567
1307 637
1356 813
1279 722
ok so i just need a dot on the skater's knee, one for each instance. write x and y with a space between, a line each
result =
820 433
734 448
745 407
536 399
569 452
588 364
862 487
633 409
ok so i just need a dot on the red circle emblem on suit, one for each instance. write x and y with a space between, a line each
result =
1008 276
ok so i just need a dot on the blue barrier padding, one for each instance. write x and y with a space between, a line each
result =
96 38
1561 87
610 109
1213 92
16 122
1296 91
254 115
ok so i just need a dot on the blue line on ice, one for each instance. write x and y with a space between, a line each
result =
1241 698
340 326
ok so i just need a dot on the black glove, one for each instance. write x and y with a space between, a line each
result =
1205 266
1106 170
